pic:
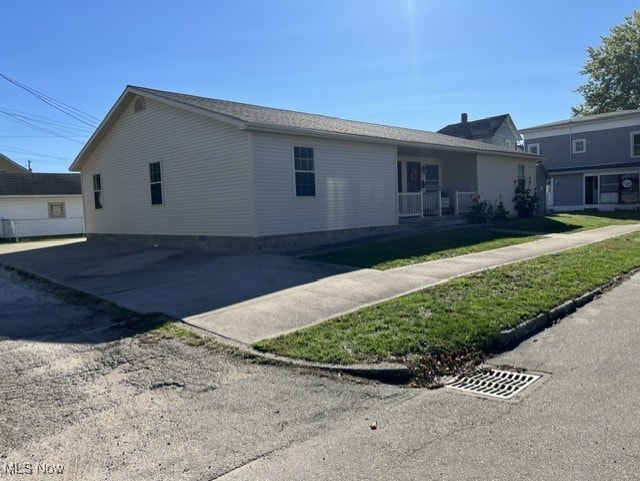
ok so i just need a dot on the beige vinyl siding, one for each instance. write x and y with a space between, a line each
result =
497 176
206 177
355 185
459 174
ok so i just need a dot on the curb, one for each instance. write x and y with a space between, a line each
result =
510 338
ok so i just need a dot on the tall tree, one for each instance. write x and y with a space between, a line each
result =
614 71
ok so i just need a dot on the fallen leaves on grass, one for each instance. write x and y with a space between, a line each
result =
428 370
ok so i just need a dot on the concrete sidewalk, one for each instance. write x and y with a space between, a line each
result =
250 297
301 306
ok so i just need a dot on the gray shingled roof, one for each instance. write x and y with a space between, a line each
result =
475 129
617 115
264 117
39 184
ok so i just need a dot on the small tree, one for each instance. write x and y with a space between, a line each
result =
480 211
500 211
525 202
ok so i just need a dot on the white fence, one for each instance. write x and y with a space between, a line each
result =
21 228
464 200
409 204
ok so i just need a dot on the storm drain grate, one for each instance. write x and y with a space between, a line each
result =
493 382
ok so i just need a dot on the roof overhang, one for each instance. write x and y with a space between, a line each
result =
391 142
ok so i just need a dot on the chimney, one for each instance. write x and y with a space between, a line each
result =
463 118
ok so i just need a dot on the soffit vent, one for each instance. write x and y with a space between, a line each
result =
493 383
138 105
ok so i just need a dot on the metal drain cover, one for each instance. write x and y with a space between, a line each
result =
493 383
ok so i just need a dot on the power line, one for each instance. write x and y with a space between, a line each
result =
77 114
17 118
63 127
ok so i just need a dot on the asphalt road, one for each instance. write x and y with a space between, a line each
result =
80 391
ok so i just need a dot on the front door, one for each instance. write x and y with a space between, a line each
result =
431 189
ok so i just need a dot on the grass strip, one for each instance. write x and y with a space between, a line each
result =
569 221
421 248
464 314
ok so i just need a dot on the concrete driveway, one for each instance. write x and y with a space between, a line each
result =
183 283
250 297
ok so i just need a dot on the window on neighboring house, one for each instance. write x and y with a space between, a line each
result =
579 146
97 191
56 209
635 144
305 174
533 149
155 179
520 183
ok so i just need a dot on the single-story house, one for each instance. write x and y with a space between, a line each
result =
165 167
8 165
35 205
592 161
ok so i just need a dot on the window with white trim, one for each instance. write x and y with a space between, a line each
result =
56 210
533 149
579 146
635 144
521 178
304 171
97 191
155 182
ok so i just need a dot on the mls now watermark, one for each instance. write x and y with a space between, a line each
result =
9 469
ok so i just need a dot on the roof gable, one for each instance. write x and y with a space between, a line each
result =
7 164
477 129
39 184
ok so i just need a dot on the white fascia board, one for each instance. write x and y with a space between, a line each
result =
579 128
38 196
98 134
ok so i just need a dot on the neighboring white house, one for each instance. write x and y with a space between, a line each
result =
173 168
34 205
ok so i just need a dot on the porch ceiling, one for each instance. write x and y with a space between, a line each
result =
404 151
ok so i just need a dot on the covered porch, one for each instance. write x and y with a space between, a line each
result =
433 182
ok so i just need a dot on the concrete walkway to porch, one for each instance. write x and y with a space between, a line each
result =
246 298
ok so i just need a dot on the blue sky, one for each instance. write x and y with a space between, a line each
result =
411 63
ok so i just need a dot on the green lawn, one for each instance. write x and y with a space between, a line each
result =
421 248
570 221
437 245
464 314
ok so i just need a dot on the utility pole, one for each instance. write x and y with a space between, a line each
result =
29 165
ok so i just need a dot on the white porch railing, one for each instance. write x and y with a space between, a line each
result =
464 201
431 203
409 204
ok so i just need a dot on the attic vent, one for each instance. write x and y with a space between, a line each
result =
138 105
